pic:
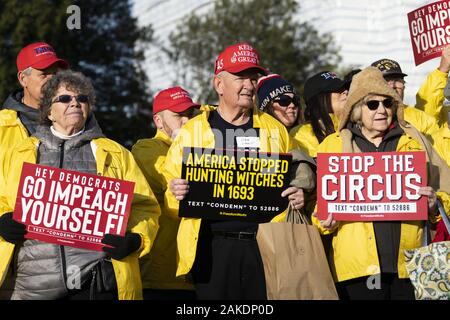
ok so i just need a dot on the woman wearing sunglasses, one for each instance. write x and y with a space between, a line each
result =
367 257
325 96
277 97
70 138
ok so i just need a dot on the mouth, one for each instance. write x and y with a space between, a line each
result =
245 95
74 114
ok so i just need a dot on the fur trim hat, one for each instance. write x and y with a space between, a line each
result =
369 81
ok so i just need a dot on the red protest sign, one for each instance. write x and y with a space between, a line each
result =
371 186
71 208
429 28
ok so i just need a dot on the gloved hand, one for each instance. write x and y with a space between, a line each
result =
11 230
121 247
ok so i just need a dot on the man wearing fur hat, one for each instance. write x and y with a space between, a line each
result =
373 121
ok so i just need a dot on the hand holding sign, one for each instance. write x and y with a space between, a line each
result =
431 195
179 188
11 230
121 247
329 223
444 66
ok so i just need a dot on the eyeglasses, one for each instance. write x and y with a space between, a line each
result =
374 104
66 98
285 101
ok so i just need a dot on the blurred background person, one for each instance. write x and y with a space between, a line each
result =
325 95
278 97
172 108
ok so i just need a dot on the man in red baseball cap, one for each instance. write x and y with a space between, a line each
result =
36 63
222 256
19 117
172 108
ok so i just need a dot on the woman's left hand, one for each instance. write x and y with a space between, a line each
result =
431 195
295 196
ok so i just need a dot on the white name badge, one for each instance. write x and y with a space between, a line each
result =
248 142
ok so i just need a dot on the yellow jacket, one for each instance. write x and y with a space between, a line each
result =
354 250
197 133
441 142
12 131
158 268
112 161
304 135
430 97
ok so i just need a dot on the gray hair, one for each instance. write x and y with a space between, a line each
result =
71 80
27 71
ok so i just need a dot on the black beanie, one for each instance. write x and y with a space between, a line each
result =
270 87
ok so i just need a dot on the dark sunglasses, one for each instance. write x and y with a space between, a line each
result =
285 101
66 98
374 104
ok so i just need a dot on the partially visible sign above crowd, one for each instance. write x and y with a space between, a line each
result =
371 186
71 208
429 28
234 184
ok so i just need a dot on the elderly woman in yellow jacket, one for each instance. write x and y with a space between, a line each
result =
372 121
71 139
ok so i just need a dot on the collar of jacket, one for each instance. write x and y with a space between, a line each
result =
255 111
102 148
160 135
9 118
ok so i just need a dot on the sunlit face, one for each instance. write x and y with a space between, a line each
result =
32 84
171 122
287 115
338 100
376 122
397 83
237 90
68 118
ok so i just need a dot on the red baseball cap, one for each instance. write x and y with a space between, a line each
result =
38 55
237 58
175 99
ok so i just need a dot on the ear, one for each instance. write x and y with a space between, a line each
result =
22 79
218 85
157 119
50 117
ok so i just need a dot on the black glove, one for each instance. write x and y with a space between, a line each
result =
121 247
11 230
